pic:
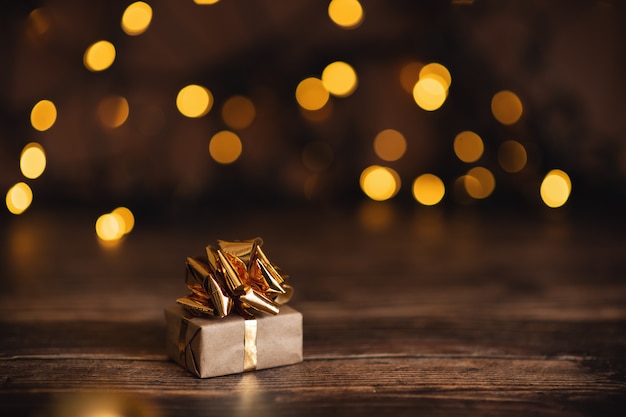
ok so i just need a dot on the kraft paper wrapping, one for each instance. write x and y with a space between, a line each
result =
210 347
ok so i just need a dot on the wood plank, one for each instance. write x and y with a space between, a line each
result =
540 385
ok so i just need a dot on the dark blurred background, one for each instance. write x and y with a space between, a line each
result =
565 60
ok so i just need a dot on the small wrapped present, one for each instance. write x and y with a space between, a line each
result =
234 319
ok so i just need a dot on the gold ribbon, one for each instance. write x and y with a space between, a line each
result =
249 345
234 275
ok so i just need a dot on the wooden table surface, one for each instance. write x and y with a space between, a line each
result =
407 312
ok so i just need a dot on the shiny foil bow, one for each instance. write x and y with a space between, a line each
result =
234 275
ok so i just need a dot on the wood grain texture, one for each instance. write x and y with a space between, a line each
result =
441 314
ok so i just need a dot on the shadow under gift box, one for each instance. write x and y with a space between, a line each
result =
210 347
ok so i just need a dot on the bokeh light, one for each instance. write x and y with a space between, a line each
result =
110 227
113 111
32 160
555 188
136 18
225 147
506 107
347 14
19 198
127 217
202 2
468 146
38 21
43 115
512 156
438 72
428 189
99 56
194 101
389 145
429 93
340 79
238 112
379 183
311 94
479 183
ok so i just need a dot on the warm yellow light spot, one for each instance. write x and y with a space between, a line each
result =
339 79
311 94
43 115
389 145
225 147
113 111
32 160
429 93
428 189
437 71
238 112
479 182
379 183
317 156
203 2
194 101
410 75
99 56
468 146
19 197
38 21
128 219
555 188
110 226
506 107
512 156
346 13
136 18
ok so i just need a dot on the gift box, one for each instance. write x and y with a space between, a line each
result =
212 347
234 320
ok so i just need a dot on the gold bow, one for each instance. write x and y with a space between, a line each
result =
238 275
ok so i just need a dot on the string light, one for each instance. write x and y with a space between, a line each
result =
194 101
347 14
111 227
311 94
225 147
43 115
113 111
340 79
468 146
389 145
136 18
555 188
479 182
379 183
99 56
32 161
512 156
506 107
428 189
19 198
